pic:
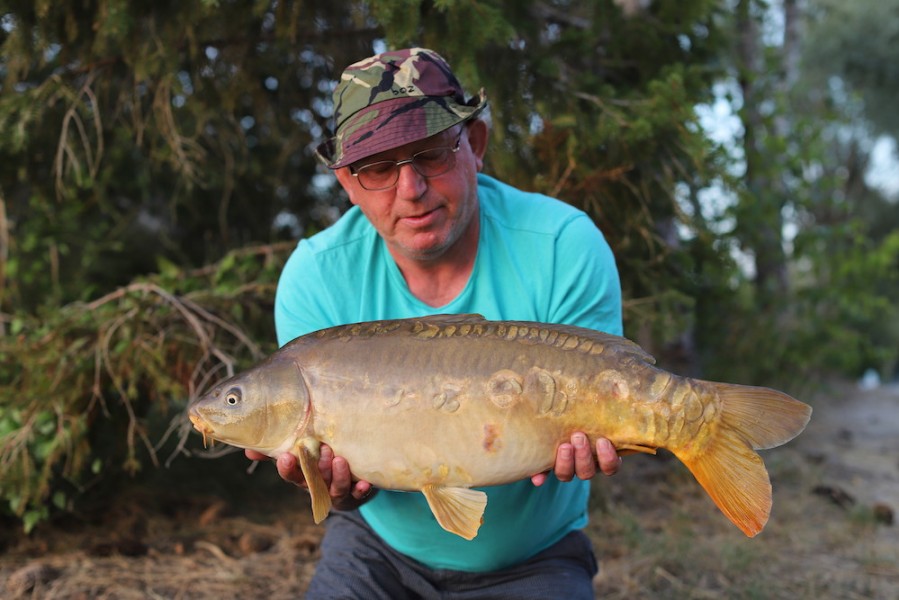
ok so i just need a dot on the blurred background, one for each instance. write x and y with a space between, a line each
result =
156 169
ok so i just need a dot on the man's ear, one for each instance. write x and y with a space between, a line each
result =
478 133
345 179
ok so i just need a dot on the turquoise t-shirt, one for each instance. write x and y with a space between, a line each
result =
538 259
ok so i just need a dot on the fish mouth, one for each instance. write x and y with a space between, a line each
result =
204 428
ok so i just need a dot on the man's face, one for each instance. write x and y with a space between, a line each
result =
422 218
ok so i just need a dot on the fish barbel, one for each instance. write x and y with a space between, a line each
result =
447 403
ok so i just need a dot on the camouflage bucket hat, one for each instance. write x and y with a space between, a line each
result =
392 99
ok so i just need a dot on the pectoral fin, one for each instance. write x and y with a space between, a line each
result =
321 499
458 510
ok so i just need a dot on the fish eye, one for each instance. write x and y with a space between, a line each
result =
233 397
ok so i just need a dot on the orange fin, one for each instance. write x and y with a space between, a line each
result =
321 499
625 449
764 417
735 477
727 466
458 510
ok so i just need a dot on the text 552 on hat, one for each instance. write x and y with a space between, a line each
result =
392 99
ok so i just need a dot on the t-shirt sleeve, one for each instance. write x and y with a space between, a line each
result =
302 304
586 290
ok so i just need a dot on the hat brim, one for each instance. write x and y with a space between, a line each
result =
394 123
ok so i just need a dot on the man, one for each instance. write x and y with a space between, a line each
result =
429 234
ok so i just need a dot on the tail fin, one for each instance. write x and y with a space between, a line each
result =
727 466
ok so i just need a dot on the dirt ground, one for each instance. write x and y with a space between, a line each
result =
221 533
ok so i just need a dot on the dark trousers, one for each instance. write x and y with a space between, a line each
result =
356 564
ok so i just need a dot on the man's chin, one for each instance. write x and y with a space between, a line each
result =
424 251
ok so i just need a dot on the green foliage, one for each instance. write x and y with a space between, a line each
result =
136 130
194 136
146 137
856 41
854 304
802 217
92 390
597 108
40 438
840 318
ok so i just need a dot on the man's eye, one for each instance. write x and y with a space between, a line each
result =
434 155
378 168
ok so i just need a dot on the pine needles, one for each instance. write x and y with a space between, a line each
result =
99 388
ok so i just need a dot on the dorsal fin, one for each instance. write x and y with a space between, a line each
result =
475 325
444 319
606 341
609 341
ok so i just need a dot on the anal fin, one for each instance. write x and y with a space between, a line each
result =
458 510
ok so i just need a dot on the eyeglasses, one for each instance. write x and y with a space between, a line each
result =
428 163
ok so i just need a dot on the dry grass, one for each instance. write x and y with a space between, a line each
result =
686 549
200 547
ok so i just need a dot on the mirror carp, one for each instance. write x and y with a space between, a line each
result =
446 404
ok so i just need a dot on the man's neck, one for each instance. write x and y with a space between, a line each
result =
436 285
437 281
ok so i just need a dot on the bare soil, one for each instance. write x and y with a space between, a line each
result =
209 530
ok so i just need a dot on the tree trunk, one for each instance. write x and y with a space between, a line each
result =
761 209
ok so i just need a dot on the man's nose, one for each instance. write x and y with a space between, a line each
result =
410 184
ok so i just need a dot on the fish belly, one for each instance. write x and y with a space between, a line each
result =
468 449
461 414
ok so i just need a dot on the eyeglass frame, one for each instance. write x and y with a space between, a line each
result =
354 171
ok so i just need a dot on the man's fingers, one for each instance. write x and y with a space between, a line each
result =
584 463
325 463
564 468
341 480
288 469
607 455
539 479
362 490
254 455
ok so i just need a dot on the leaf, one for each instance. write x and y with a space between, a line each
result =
34 516
17 325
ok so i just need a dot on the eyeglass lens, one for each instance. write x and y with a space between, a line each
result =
427 163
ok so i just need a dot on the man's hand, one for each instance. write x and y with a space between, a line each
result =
345 494
576 458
